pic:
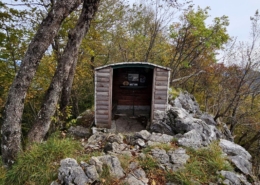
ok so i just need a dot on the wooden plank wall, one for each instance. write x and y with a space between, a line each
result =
103 97
160 90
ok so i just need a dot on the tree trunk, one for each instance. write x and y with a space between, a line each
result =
75 103
248 144
66 90
70 54
11 128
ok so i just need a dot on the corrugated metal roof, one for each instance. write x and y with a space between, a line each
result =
139 64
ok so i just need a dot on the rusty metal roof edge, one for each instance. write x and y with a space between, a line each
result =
127 63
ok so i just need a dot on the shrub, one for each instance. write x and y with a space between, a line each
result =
174 92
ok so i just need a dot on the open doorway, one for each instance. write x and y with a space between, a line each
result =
132 98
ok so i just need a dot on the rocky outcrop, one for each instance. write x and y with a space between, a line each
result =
136 176
183 125
172 160
79 131
185 121
89 172
237 155
192 132
85 119
70 172
186 101
232 178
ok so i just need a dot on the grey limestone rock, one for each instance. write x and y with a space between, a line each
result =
114 165
132 180
71 172
233 149
187 102
115 138
119 148
152 143
97 137
161 127
226 134
140 142
86 118
208 119
237 155
54 183
95 142
133 165
182 122
160 155
228 182
97 163
184 117
178 156
159 115
161 138
90 171
242 164
79 131
143 134
191 139
137 175
232 178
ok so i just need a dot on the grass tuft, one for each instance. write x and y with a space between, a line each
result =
86 157
148 163
202 167
125 160
106 178
2 173
39 164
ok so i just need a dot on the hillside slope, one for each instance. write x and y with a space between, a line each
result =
182 146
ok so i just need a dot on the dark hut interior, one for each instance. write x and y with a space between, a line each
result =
132 93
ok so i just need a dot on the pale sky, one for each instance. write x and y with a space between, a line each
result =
238 12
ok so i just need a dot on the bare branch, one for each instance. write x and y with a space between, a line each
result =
189 76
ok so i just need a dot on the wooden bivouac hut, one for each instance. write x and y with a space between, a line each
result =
129 86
